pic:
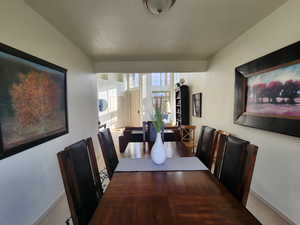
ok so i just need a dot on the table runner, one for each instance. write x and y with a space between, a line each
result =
171 164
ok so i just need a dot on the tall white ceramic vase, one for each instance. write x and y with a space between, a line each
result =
158 151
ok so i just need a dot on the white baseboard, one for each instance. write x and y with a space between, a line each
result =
278 212
49 209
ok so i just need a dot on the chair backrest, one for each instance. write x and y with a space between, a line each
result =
94 165
145 128
123 142
219 148
150 132
79 182
205 146
108 151
248 171
187 133
238 166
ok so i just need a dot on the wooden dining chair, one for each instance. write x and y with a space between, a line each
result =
205 146
238 166
150 133
108 151
220 140
81 188
187 133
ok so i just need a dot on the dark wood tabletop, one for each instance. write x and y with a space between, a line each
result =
169 198
136 150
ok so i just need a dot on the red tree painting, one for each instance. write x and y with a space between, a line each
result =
276 89
274 97
35 98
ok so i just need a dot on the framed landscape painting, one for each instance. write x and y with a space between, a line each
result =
197 104
267 92
33 101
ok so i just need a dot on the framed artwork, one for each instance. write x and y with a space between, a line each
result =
197 104
33 101
267 92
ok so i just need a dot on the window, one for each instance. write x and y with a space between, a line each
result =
111 98
125 81
162 99
144 86
176 77
156 79
134 80
161 79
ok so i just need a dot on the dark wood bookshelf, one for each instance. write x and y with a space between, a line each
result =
182 104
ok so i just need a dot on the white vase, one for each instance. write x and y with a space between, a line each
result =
158 151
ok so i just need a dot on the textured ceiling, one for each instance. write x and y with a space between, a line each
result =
124 30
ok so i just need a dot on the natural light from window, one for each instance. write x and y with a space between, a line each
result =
110 96
161 79
134 80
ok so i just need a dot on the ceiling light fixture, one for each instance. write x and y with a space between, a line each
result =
157 7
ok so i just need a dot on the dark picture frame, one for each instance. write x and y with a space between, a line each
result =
16 66
197 104
277 60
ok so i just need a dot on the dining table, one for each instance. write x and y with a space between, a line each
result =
168 197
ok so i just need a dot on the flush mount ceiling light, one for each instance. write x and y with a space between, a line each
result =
157 7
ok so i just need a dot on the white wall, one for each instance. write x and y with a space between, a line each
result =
277 173
30 181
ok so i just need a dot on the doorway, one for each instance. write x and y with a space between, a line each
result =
135 108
